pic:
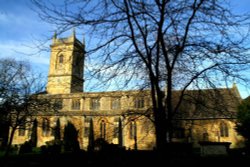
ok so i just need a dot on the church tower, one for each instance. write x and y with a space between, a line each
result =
66 65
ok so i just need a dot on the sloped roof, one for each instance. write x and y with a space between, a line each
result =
208 103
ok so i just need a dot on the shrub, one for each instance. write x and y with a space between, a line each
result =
25 148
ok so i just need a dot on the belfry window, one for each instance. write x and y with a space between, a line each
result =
60 59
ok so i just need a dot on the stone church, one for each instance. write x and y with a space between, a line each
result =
125 117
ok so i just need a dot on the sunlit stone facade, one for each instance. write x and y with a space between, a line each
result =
119 117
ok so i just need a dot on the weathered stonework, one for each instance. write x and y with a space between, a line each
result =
65 84
66 66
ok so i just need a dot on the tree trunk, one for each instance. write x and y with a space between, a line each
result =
10 142
135 136
91 136
57 132
169 107
33 138
160 128
120 139
159 116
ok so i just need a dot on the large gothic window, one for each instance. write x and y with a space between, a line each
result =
46 127
87 127
116 128
132 130
21 130
224 130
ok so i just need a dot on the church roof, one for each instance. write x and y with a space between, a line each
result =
208 103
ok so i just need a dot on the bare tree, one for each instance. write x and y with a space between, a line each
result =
18 106
157 44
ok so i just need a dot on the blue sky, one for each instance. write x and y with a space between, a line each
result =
20 28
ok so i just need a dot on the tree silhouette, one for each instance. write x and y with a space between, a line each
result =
70 139
57 131
120 136
18 106
33 137
91 136
243 121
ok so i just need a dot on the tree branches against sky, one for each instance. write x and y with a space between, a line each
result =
20 25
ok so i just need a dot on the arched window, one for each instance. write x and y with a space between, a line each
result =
21 130
60 59
46 127
132 130
103 129
117 128
87 127
224 130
